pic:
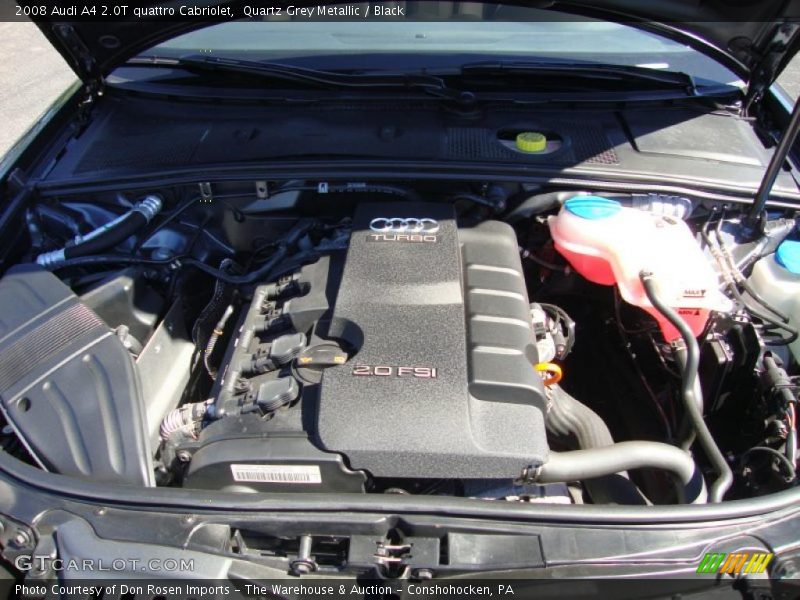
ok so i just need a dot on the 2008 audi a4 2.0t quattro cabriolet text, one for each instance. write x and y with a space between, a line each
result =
479 290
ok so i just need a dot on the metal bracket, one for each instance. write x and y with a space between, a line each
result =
389 555
529 475
16 539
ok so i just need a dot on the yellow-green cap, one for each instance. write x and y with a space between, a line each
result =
531 141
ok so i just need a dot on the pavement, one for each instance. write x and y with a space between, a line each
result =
33 75
790 78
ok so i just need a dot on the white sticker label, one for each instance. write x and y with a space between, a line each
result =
277 473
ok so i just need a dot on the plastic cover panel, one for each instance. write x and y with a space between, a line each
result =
650 144
401 304
67 384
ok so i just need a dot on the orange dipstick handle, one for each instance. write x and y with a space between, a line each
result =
553 371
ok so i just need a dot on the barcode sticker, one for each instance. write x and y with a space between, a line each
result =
276 473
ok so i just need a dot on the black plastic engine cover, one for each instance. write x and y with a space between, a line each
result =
68 386
441 383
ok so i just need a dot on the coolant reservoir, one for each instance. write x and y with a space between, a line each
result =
611 244
777 279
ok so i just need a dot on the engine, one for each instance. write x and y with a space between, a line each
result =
409 355
330 338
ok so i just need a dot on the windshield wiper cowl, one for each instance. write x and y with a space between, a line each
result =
584 71
429 84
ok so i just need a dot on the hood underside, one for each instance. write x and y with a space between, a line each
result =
754 37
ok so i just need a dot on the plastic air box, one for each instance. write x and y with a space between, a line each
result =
610 244
68 386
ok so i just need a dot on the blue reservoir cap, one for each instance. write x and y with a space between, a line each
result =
592 207
788 256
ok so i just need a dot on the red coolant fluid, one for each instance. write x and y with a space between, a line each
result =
611 244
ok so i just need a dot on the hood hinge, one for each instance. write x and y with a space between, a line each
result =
81 56
92 91
86 66
768 62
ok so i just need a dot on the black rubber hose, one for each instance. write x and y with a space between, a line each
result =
739 279
569 417
688 356
547 201
111 259
114 236
166 221
785 461
377 188
263 272
760 299
496 204
580 465
735 278
793 333
537 204
528 255
688 435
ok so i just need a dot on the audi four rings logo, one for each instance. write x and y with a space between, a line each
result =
401 225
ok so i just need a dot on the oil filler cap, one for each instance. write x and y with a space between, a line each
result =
592 208
322 356
531 141
788 256
312 361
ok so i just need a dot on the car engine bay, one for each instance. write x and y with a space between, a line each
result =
500 341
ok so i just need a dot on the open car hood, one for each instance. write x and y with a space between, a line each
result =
755 38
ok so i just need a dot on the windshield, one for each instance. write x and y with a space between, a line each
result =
436 35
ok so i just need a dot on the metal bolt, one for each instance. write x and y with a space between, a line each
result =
188 519
424 574
100 511
305 546
304 563
21 539
785 569
301 567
